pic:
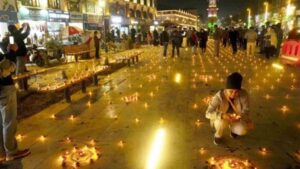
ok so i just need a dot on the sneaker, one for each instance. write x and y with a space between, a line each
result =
232 135
218 141
19 154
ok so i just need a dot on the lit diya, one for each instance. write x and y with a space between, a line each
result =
79 157
225 162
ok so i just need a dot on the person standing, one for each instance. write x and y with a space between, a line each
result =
230 108
279 33
19 37
251 37
176 39
203 38
112 34
132 34
97 39
189 36
225 37
233 37
261 38
149 38
155 38
164 40
217 36
270 42
118 34
8 107
194 41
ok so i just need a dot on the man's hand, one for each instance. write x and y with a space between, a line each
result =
231 117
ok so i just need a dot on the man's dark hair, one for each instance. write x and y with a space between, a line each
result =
12 28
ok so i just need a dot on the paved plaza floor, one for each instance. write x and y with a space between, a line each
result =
152 116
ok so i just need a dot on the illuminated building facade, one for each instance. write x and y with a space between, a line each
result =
179 17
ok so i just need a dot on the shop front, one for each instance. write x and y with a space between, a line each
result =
37 19
57 21
8 15
121 23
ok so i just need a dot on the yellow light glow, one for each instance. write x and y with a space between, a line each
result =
277 66
177 78
53 116
156 149
19 137
266 11
42 138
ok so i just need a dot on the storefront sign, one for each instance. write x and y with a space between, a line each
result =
8 17
33 14
76 17
91 26
58 16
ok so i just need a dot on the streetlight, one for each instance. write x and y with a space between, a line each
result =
249 17
266 11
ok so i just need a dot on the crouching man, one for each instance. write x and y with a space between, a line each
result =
229 108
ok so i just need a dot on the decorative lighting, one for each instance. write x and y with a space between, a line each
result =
156 149
224 162
263 150
79 157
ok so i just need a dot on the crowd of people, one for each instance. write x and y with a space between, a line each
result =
267 39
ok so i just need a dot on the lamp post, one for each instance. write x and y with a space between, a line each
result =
266 11
249 17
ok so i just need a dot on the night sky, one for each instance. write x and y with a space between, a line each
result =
226 7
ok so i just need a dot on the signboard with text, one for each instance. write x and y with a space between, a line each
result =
76 17
58 16
33 14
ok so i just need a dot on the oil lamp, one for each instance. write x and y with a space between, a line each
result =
263 150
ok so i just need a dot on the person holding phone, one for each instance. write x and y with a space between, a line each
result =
230 108
18 37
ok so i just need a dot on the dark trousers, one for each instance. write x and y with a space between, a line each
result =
224 42
165 44
97 54
175 46
234 47
270 51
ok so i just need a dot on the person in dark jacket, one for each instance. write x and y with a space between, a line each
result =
176 40
164 40
97 39
233 37
155 38
203 38
8 107
19 37
132 34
